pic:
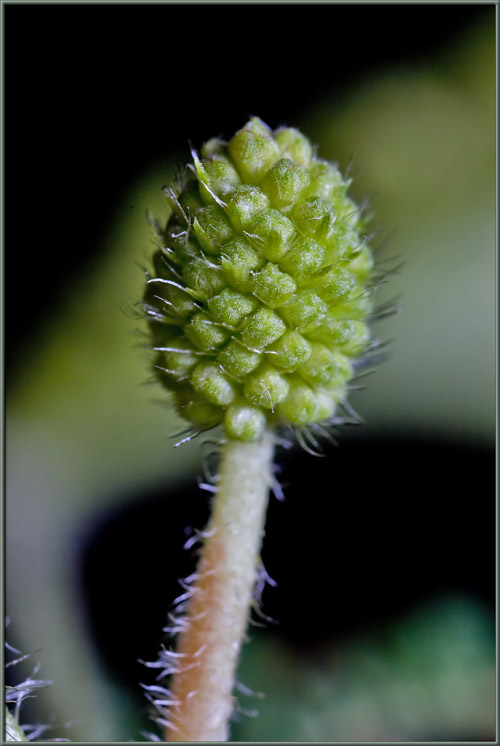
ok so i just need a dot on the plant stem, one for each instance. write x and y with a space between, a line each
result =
218 610
13 731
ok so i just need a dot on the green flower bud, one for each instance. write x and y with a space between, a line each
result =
208 380
180 243
212 228
238 360
358 339
266 387
335 285
253 150
272 286
354 307
222 177
239 261
304 259
315 218
244 422
169 303
196 408
303 310
272 233
324 367
263 328
177 359
285 182
205 333
191 198
258 299
348 335
294 145
301 405
230 307
362 264
205 280
325 179
243 204
290 351
326 402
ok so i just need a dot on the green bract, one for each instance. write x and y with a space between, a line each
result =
258 300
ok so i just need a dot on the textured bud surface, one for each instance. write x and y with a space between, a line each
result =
258 300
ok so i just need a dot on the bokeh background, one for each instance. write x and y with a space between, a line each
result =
384 551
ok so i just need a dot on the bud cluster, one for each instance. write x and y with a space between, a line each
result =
258 300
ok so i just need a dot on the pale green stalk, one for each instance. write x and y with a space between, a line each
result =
13 731
218 610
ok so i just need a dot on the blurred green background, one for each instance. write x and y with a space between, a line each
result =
100 105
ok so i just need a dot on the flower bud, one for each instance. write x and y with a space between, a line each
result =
258 300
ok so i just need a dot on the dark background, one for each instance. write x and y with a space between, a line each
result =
336 575
94 94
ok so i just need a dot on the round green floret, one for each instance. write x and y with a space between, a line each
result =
258 300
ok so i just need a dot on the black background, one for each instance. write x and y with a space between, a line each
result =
369 532
94 94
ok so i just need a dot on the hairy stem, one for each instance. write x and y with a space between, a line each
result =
13 731
218 610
